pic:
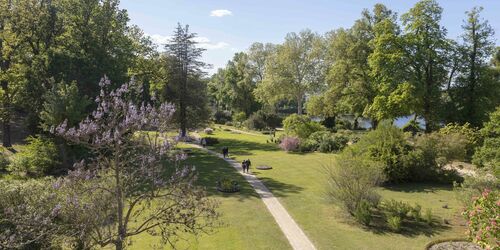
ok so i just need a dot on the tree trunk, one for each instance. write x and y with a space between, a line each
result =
120 207
6 134
299 105
374 123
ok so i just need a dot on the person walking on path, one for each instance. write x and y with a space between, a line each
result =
225 152
203 142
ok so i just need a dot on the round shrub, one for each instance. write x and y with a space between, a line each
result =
261 120
308 145
221 117
483 219
239 117
394 223
301 126
333 143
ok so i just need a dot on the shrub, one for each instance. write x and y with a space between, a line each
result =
333 143
483 219
363 213
261 120
416 212
319 136
4 161
471 136
301 126
308 145
488 155
343 124
353 179
289 144
428 216
39 157
239 117
394 223
388 145
208 131
393 208
211 141
221 117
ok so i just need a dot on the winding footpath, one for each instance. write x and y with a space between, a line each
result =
297 238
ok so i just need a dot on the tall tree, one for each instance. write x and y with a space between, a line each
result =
475 90
295 70
258 54
186 67
425 48
240 79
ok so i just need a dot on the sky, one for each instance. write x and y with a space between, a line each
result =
225 27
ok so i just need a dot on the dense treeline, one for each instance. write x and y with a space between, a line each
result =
383 67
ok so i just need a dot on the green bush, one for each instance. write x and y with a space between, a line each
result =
239 117
319 136
301 126
393 208
221 117
39 157
343 124
428 216
363 213
472 137
353 179
488 156
333 143
261 120
308 145
394 223
483 219
388 145
416 212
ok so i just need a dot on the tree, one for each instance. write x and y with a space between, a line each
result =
240 81
186 66
425 54
293 71
129 165
257 55
475 92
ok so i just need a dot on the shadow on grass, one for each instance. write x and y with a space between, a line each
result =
419 187
409 228
241 147
211 168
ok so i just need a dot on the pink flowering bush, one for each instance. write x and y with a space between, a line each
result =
289 143
483 219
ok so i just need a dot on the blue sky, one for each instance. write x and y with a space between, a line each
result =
227 26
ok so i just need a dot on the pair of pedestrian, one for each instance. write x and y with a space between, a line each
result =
246 165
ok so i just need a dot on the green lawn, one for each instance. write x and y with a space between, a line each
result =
247 223
298 181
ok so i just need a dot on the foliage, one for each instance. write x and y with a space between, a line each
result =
394 223
333 143
412 126
63 102
363 213
416 212
474 186
388 145
488 155
471 135
294 70
301 126
482 219
38 158
428 216
221 117
308 145
4 161
239 117
394 208
353 180
262 120
289 143
227 185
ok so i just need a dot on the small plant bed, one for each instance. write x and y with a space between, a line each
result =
264 167
226 185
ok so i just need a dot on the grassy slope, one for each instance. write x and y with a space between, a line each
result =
297 180
248 225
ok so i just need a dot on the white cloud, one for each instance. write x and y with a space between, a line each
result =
203 42
221 13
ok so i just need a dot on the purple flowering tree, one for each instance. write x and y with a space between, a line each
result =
127 186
